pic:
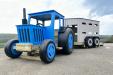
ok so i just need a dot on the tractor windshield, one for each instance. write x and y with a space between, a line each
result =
41 20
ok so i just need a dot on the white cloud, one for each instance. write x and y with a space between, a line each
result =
11 12
106 25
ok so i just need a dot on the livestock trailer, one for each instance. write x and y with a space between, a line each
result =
86 31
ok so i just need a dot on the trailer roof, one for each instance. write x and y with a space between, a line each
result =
46 15
82 18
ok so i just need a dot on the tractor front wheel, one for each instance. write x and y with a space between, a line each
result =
48 51
10 50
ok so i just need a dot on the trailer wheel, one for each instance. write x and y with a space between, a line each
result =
66 40
10 50
48 51
96 42
89 42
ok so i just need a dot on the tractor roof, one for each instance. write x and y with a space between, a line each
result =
46 15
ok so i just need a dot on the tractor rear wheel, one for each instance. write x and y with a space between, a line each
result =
66 40
10 50
48 51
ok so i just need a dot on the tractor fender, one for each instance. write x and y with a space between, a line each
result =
62 29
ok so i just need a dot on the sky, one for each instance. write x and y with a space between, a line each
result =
101 10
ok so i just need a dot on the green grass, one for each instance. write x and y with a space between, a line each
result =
5 37
2 45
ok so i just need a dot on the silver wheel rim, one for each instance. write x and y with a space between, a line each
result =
90 42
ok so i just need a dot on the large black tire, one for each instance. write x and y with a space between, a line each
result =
96 42
10 51
66 40
48 51
89 42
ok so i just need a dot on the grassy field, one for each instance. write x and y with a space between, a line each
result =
107 38
5 37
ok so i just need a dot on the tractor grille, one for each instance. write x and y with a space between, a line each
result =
24 35
30 34
38 35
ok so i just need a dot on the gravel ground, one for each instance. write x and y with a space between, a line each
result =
95 61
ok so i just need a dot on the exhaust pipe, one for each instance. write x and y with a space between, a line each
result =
24 20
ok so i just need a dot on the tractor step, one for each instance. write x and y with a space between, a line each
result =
59 48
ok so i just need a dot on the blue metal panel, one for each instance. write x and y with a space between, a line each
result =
31 34
50 29
36 34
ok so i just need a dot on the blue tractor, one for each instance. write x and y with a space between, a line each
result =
40 38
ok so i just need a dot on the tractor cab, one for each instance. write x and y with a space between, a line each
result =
40 26
46 16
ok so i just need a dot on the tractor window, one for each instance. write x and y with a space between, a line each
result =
61 22
58 22
56 25
33 21
47 23
39 22
36 22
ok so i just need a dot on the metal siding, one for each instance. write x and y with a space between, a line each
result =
83 28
